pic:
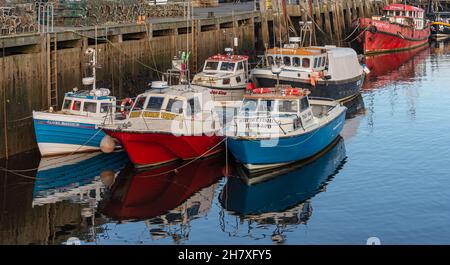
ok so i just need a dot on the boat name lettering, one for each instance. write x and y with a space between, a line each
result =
62 123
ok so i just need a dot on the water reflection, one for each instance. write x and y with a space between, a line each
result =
282 197
167 197
76 177
394 67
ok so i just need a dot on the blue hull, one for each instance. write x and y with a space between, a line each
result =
288 149
70 133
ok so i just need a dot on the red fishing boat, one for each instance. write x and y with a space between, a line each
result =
169 123
401 27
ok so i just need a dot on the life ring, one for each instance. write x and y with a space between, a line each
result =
261 90
292 92
125 102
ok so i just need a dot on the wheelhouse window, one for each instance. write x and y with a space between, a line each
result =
288 106
194 106
324 60
105 107
90 107
319 64
67 104
296 61
227 66
287 61
139 105
269 60
249 105
155 103
304 104
266 105
240 66
76 106
306 63
211 66
316 62
175 106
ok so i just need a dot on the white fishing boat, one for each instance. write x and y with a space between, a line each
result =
226 76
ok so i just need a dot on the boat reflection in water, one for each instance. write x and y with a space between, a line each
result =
282 197
73 176
399 66
166 197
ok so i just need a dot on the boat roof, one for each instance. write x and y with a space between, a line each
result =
402 7
277 93
305 51
228 58
186 91
86 94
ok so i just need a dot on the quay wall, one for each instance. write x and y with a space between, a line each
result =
131 56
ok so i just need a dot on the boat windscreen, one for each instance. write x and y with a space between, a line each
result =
266 105
227 66
211 66
249 105
139 105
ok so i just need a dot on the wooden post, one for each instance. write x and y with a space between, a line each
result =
264 23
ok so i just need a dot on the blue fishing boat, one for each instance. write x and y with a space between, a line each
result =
74 128
277 126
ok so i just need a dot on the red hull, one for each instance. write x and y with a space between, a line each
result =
382 36
148 149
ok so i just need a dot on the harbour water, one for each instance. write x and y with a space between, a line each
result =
385 178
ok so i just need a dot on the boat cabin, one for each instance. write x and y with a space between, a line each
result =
299 58
188 104
226 64
274 111
224 71
405 15
96 104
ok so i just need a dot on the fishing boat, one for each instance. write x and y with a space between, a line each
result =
226 75
168 123
440 26
401 27
327 71
281 125
75 128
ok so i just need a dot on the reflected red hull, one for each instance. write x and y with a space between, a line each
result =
393 66
148 194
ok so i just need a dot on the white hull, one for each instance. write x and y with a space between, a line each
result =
53 149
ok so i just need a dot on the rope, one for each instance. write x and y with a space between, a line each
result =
359 35
351 34
15 171
190 162
21 119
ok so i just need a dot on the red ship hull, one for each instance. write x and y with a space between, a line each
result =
383 36
149 149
